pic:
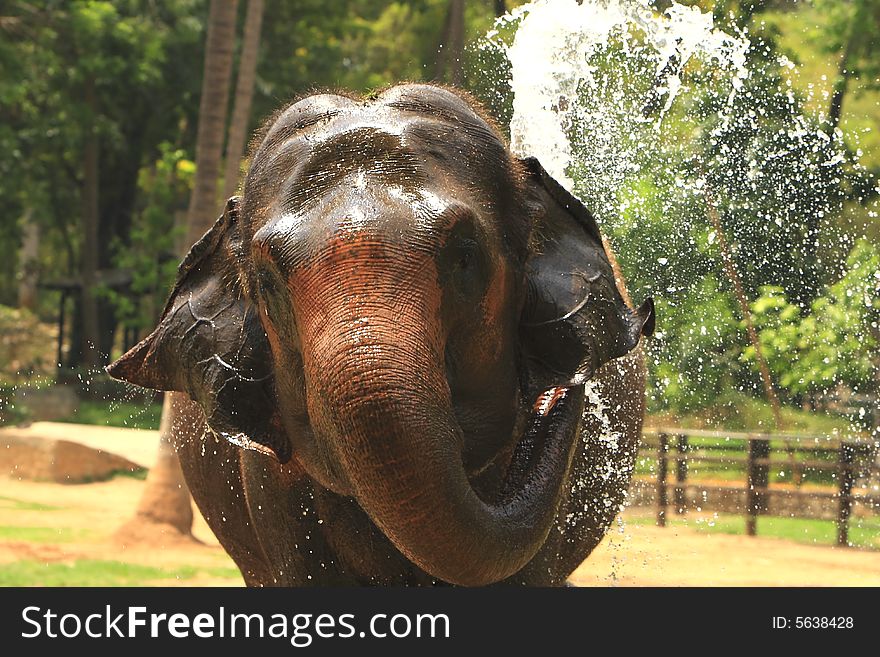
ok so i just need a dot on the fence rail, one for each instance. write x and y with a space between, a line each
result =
853 459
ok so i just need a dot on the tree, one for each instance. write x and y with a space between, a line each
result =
73 150
835 343
451 52
29 263
212 117
165 504
851 35
244 94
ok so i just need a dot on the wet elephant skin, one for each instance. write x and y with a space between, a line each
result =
407 353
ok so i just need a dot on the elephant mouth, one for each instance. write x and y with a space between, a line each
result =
547 412
542 414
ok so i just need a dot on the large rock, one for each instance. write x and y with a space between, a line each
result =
27 456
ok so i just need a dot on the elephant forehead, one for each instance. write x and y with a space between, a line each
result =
393 110
349 158
424 149
361 221
401 143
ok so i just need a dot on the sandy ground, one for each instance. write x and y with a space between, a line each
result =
640 555
631 555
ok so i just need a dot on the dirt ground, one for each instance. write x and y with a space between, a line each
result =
632 555
642 555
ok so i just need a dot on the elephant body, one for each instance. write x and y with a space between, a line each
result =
404 353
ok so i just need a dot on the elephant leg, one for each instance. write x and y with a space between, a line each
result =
366 554
281 503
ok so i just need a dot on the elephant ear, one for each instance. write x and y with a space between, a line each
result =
575 318
211 345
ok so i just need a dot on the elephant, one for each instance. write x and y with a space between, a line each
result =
405 354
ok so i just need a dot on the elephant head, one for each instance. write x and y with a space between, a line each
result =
407 311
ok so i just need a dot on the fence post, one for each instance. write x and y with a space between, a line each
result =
681 473
662 463
758 478
846 477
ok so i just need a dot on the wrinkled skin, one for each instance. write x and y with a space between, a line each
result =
412 360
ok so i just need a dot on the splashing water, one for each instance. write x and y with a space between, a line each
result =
559 38
651 119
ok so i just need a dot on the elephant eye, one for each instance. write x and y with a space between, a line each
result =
265 283
463 261
467 252
462 268
269 290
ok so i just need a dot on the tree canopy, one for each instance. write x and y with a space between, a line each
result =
98 119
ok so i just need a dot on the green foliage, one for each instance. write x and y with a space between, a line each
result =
352 44
776 177
695 354
852 29
26 346
151 254
836 343
142 61
131 415
863 532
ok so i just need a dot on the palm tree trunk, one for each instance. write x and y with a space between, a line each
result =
164 512
456 41
165 505
244 94
203 203
440 64
451 50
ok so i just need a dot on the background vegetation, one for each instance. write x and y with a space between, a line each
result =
98 109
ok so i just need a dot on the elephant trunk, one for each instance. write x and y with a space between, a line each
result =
376 384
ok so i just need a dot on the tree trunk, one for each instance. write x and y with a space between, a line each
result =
440 64
164 514
840 86
500 8
451 50
89 251
28 263
456 41
165 502
736 283
203 203
244 93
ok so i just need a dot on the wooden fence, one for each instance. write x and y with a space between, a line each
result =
757 453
